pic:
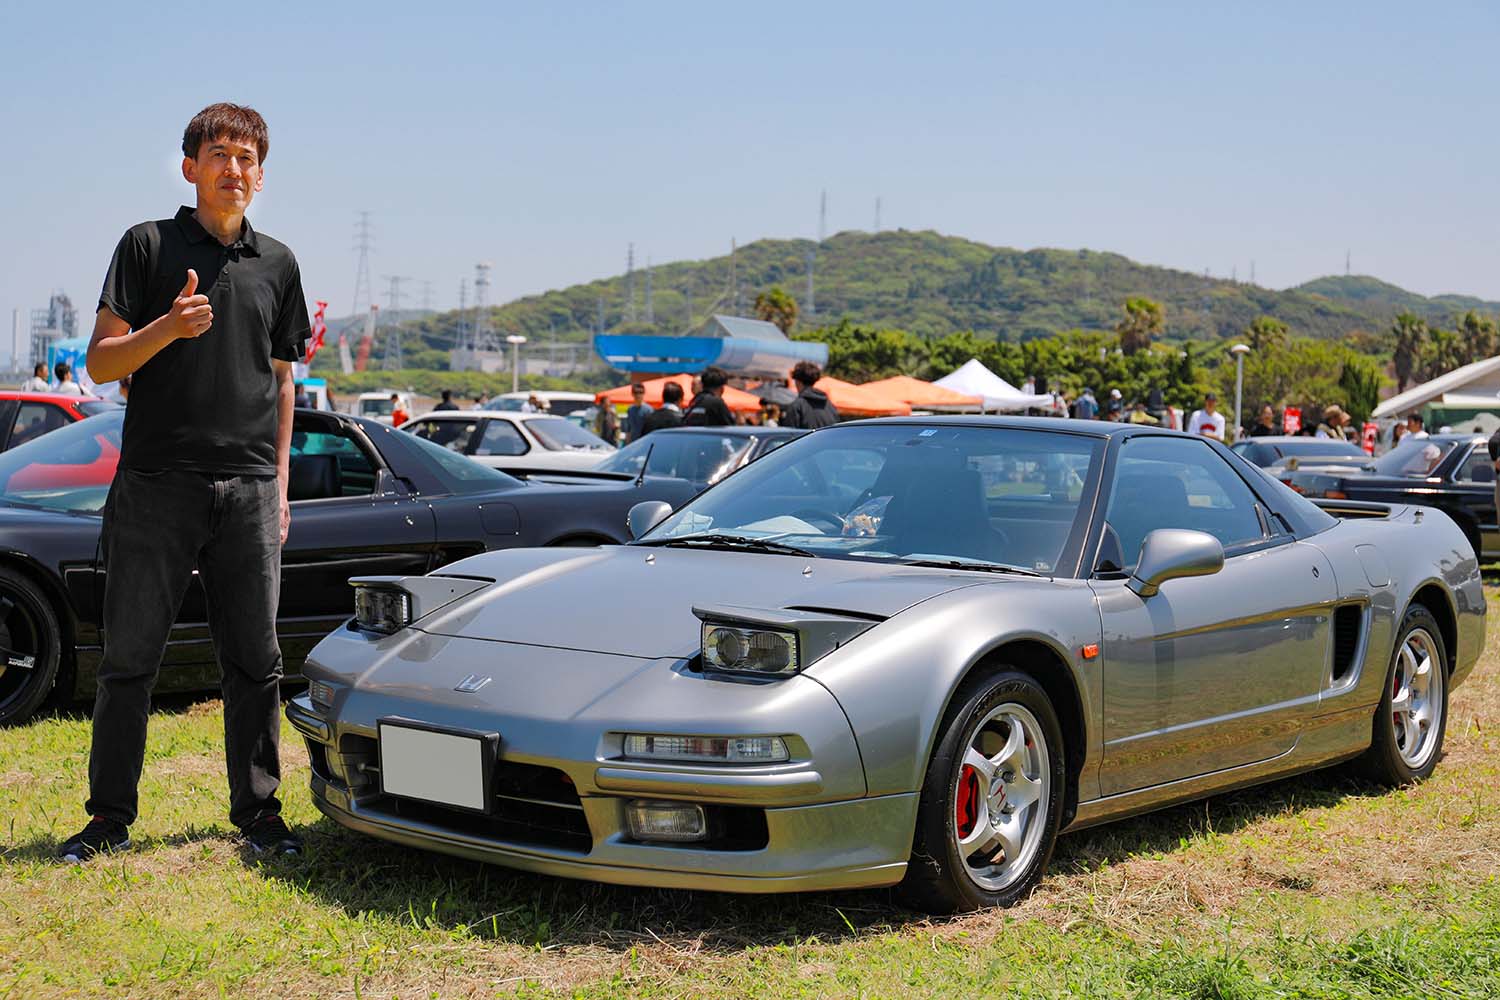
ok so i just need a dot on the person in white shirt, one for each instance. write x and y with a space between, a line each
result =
1208 421
65 383
38 381
1414 427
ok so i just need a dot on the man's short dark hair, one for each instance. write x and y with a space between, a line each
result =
61 370
1415 416
806 373
671 393
39 369
638 387
226 121
714 377
447 394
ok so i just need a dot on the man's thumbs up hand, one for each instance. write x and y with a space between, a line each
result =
190 314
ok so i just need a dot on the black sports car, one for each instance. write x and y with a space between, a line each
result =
366 499
703 455
1451 472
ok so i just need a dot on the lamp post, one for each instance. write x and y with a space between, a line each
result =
515 341
1239 351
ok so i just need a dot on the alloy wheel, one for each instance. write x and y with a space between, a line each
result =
1416 702
1000 796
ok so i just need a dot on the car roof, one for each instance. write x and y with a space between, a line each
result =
487 414
46 397
1291 438
733 430
1095 428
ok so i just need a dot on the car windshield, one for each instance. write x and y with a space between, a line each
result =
93 407
459 473
700 457
1413 458
69 469
979 497
557 434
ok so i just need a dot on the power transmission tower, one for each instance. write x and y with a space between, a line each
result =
599 327
392 361
364 242
823 216
426 296
650 304
463 303
812 260
687 298
630 283
734 275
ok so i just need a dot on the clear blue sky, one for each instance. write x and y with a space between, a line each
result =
545 137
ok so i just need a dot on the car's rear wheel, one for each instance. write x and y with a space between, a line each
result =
1413 714
30 647
991 800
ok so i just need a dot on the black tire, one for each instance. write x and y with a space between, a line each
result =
29 630
1391 760
939 878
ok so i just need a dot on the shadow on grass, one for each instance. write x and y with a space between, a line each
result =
431 891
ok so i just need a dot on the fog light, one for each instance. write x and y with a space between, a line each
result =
381 609
708 749
321 694
670 822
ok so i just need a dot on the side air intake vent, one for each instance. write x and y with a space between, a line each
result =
1347 623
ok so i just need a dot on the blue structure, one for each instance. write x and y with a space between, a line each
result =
747 347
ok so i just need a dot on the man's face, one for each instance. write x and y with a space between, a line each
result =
638 392
1267 416
227 174
1210 404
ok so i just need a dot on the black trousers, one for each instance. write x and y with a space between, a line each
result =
158 528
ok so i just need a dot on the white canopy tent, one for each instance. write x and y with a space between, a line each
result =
974 379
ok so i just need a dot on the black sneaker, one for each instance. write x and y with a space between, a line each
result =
100 836
269 835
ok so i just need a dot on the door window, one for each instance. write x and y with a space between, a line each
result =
35 419
324 464
451 434
1477 468
500 437
1174 483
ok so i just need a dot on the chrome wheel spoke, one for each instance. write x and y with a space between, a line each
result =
984 767
1022 792
982 839
1012 756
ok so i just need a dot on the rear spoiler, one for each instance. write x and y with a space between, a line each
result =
1353 508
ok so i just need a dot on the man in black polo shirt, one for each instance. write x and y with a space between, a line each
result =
207 316
708 408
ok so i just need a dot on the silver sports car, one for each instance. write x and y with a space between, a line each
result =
897 651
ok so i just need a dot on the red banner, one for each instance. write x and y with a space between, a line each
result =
1367 436
1291 420
319 331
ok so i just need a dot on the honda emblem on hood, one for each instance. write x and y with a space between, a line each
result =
471 683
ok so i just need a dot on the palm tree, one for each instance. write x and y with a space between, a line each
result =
1411 335
1480 336
776 306
1143 318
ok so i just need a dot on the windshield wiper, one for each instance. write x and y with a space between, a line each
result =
959 562
722 540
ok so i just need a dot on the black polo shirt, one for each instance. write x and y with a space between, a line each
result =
207 403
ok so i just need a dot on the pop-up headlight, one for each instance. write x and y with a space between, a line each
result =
765 642
388 604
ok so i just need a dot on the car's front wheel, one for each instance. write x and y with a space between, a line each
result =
991 801
30 647
1413 713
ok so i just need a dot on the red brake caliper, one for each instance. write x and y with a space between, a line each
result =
966 811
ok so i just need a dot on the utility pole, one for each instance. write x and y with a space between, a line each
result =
364 242
650 303
392 359
823 216
877 213
734 275
630 283
463 303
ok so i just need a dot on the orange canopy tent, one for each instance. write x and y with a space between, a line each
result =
923 395
737 400
861 400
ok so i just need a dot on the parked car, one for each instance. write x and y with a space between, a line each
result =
1277 450
378 406
702 455
25 416
1451 472
365 499
559 403
506 439
905 651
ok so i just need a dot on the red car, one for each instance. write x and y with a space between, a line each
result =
28 415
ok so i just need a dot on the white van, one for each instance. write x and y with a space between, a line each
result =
377 405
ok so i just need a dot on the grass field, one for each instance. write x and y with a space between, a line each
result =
1315 887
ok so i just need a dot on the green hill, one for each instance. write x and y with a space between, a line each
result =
932 285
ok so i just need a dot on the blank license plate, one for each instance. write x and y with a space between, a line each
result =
447 768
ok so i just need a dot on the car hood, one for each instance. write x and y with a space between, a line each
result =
638 600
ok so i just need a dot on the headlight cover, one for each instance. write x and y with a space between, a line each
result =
750 650
381 609
706 749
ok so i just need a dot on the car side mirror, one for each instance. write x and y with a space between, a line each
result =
1169 553
646 515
